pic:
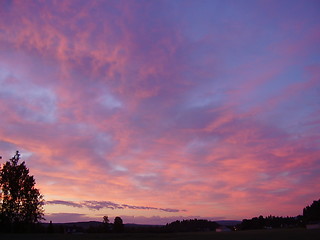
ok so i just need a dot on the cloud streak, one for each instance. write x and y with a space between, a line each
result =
97 205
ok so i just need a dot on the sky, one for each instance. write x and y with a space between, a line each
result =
163 110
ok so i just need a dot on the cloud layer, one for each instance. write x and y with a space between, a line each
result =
97 205
208 106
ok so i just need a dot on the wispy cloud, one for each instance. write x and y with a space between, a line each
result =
97 205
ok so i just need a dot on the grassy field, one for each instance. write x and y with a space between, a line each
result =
292 234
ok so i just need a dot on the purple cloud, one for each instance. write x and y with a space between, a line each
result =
66 203
97 205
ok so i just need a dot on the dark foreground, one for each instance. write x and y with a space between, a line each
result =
292 234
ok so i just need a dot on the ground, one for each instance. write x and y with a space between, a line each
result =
292 234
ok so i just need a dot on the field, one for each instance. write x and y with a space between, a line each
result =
292 234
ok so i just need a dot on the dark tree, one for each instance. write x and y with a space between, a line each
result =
105 220
106 223
21 204
312 212
118 224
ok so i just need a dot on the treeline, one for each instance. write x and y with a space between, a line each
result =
193 225
85 227
311 214
270 222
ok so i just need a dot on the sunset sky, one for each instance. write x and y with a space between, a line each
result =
164 109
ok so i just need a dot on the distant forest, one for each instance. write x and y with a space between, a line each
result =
311 214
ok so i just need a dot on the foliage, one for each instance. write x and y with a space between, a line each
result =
312 212
21 203
106 220
192 225
118 225
269 222
106 224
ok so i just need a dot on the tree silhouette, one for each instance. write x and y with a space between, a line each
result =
105 219
21 204
118 224
312 212
191 225
106 223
